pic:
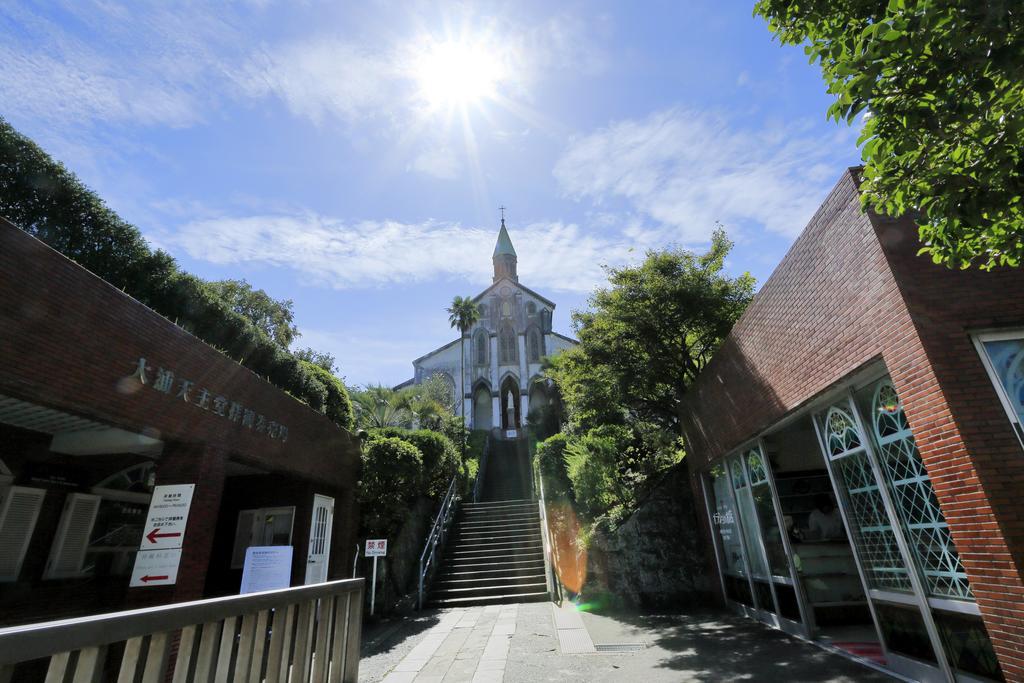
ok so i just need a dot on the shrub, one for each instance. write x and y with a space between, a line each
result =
553 468
592 465
440 459
391 479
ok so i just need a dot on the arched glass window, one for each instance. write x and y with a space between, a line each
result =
507 352
506 309
531 308
533 346
480 348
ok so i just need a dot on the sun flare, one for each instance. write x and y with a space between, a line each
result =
457 73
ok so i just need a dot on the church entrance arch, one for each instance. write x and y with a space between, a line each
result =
510 404
482 409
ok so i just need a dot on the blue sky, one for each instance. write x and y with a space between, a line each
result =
352 156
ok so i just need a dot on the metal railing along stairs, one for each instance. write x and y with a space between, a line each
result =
435 540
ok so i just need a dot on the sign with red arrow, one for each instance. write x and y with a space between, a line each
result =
168 517
156 563
156 568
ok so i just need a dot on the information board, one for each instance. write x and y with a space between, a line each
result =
377 547
167 518
267 568
156 568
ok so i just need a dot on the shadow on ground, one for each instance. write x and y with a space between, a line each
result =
710 645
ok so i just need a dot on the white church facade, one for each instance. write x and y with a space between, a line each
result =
499 378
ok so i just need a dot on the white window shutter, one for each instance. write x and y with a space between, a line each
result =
72 539
243 537
19 510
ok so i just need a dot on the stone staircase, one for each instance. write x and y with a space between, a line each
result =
495 554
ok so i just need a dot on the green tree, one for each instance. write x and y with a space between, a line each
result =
322 359
647 336
462 314
642 344
275 317
377 406
942 85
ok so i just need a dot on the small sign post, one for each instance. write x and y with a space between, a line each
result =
377 547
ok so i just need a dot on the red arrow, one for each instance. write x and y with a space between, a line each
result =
147 578
153 535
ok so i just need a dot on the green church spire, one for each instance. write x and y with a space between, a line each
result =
504 243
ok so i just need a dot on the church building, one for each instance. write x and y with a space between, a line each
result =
499 374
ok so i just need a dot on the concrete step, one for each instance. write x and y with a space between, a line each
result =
496 549
492 571
512 518
528 537
454 581
500 529
500 565
488 590
491 600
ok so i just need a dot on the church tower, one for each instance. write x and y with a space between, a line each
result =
504 256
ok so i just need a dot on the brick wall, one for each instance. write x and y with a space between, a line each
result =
68 339
852 290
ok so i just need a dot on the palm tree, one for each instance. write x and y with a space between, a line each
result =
463 314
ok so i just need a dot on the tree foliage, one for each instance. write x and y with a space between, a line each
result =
643 342
274 317
440 458
47 201
647 336
942 85
392 476
322 359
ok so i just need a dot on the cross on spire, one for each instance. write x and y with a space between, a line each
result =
502 214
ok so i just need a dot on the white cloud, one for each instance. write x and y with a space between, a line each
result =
344 255
152 68
437 162
685 170
324 77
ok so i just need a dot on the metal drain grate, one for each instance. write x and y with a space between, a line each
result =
620 647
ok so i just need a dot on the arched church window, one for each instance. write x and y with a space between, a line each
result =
533 346
531 308
507 345
506 309
480 348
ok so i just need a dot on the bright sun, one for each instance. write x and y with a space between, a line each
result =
457 73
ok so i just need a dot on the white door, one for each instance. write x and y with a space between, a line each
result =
320 539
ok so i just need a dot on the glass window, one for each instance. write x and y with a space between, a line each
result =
534 346
873 535
1005 355
913 495
967 644
507 352
481 348
904 631
761 495
725 526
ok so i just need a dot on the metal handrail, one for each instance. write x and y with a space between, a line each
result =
437 536
481 470
339 602
554 585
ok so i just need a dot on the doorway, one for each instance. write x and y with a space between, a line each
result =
319 555
511 419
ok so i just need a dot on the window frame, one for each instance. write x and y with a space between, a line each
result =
979 339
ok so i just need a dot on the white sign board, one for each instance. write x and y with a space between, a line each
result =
267 568
156 568
376 547
168 515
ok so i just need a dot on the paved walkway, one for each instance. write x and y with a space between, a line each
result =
539 642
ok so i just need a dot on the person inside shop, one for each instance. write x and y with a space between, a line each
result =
824 522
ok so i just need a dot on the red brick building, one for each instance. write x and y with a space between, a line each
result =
858 447
101 400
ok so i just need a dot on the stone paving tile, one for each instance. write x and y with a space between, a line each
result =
520 644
